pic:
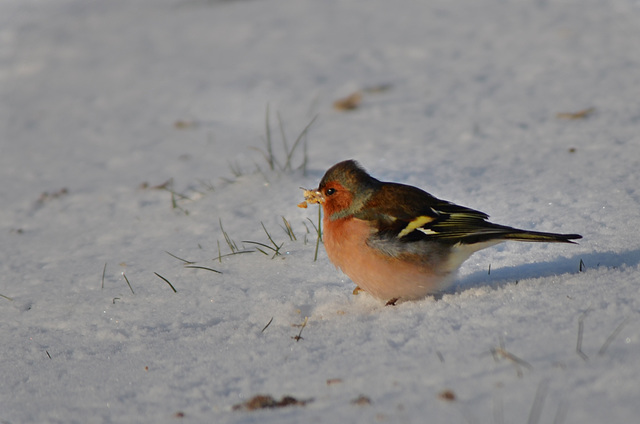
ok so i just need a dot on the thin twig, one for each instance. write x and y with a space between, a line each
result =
299 336
7 297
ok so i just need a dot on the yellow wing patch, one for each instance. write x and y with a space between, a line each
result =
416 223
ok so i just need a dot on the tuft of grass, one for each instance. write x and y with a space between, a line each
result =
232 244
175 205
175 196
269 155
236 170
208 185
275 248
288 230
190 264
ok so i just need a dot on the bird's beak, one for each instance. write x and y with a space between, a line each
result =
311 196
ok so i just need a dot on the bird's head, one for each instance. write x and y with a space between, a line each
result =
344 190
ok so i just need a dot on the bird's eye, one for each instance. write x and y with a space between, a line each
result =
330 191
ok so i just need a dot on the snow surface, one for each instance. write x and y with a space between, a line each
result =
99 100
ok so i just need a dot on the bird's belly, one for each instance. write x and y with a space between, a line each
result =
383 276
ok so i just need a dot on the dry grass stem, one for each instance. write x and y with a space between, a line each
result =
299 336
166 281
128 283
268 324
203 267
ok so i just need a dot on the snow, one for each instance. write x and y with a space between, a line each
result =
102 102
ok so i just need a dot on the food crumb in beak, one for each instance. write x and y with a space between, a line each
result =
311 196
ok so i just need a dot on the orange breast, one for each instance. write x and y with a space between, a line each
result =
377 273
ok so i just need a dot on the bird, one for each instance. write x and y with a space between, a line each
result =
398 242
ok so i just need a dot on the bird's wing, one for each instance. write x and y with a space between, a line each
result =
409 214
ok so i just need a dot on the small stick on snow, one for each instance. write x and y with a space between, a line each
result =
299 336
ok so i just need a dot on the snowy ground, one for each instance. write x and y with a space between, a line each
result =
101 102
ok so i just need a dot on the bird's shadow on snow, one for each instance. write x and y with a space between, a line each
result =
573 265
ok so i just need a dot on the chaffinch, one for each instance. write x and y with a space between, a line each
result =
398 242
